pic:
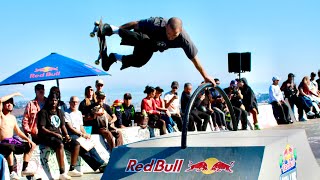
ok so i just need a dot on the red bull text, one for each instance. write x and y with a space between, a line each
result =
45 72
156 165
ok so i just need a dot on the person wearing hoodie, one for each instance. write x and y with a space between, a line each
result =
249 101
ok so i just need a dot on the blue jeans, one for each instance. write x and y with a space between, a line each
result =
169 122
92 158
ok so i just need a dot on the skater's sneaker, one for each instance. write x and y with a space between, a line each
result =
14 176
124 66
107 61
27 172
106 30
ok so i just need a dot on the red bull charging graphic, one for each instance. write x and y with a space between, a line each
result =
210 166
45 72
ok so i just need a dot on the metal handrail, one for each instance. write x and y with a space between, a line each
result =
189 106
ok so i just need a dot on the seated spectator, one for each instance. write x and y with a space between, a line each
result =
217 105
318 81
249 101
314 88
74 124
148 105
291 92
53 133
195 115
29 121
171 100
105 119
305 95
86 106
164 113
116 109
280 109
235 96
9 144
61 105
128 111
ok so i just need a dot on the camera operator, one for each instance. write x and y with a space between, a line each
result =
235 96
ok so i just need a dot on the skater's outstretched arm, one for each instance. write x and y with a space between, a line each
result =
130 25
206 77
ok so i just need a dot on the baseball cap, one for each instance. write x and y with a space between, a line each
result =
99 81
159 89
233 83
290 75
38 86
10 100
127 96
101 94
313 74
175 84
275 78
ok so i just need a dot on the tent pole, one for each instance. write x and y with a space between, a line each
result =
57 82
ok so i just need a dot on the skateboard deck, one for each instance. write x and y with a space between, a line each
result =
97 30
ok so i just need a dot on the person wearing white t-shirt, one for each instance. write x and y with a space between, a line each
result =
171 100
74 123
280 109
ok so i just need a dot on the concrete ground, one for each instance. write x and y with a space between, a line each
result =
312 128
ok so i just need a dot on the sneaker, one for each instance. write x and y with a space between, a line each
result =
217 129
175 128
27 172
64 176
106 30
75 173
14 176
310 113
107 61
102 167
256 127
124 66
302 119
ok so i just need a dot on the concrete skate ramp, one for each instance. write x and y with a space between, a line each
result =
263 155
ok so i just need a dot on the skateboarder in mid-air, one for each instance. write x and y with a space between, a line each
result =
149 36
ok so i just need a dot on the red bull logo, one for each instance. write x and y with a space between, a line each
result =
156 165
45 72
210 166
46 69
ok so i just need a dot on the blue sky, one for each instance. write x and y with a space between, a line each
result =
283 36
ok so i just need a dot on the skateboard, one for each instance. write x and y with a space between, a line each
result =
97 30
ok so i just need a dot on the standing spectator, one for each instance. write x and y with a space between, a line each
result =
99 86
171 100
235 96
61 105
280 109
9 144
249 101
86 105
29 121
291 92
105 119
149 106
74 124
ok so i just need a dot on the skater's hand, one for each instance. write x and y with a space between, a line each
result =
209 79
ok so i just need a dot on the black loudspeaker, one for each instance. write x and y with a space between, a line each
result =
246 61
234 62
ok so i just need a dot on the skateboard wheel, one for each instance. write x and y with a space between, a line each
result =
97 62
96 23
92 34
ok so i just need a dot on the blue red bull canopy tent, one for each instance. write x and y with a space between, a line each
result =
54 66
